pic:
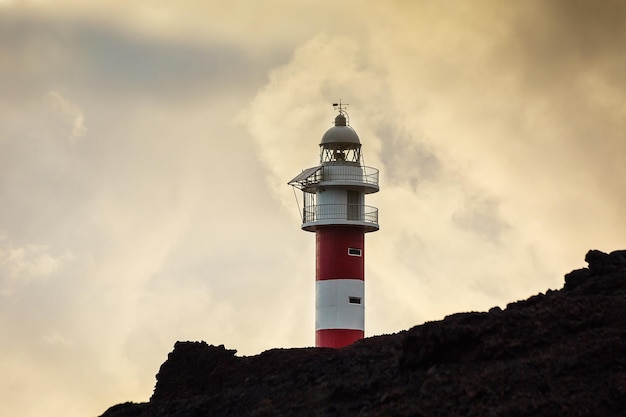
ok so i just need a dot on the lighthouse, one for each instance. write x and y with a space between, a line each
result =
334 209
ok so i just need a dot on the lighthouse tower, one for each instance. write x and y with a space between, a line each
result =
334 208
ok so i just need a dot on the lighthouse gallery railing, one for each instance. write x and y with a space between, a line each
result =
349 172
340 212
336 172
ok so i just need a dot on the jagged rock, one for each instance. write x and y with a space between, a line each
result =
194 368
602 263
575 278
562 353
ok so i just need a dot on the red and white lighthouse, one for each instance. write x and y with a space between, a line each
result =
334 208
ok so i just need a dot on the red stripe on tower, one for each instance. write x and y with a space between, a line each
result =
334 195
339 253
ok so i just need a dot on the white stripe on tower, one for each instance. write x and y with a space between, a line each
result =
340 304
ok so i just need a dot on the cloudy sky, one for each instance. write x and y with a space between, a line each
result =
145 149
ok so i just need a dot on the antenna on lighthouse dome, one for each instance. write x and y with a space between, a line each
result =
343 118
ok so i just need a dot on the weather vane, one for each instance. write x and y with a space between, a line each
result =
341 106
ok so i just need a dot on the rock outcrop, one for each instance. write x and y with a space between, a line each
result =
562 353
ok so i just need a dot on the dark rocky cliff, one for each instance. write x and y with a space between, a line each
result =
562 353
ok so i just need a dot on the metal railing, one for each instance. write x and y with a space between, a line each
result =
347 172
340 212
340 172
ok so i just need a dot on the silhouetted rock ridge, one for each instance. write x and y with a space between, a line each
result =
562 353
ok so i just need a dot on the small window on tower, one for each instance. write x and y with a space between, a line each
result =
354 252
355 300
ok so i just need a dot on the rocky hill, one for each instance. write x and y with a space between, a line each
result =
562 353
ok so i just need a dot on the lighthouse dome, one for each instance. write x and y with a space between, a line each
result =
340 133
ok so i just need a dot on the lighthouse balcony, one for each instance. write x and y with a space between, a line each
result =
338 174
359 215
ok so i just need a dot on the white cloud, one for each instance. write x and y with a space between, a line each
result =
447 240
72 113
19 265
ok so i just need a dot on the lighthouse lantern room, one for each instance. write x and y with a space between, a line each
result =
334 209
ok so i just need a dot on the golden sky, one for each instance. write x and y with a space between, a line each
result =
145 149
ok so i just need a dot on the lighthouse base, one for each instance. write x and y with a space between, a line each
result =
337 338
